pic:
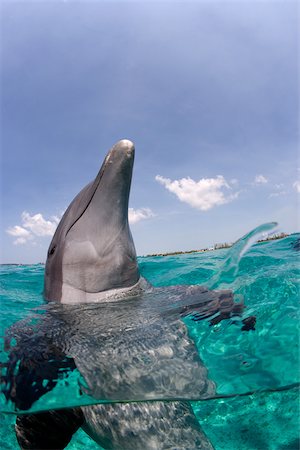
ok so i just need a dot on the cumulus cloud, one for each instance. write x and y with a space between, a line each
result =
38 225
260 179
296 186
135 215
20 233
32 226
203 194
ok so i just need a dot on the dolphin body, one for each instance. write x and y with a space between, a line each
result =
92 258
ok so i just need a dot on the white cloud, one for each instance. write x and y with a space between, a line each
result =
18 231
20 241
38 225
260 179
135 215
296 186
203 194
33 226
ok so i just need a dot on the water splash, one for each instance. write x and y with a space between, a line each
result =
229 268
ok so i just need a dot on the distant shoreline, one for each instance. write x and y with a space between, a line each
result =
216 246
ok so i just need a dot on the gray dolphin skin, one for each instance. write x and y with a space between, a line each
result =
92 258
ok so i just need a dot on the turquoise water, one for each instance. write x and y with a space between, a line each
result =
258 369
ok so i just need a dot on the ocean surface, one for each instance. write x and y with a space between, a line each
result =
248 394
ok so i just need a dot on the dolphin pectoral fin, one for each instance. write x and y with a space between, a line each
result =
218 305
48 430
33 369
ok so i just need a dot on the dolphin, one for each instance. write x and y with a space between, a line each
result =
92 259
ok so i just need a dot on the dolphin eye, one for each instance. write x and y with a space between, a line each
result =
52 250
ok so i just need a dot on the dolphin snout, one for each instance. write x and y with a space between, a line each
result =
125 146
120 153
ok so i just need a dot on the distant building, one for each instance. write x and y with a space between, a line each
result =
224 245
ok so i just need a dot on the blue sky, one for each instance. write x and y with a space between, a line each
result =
208 92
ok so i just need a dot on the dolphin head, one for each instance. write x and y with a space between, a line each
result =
92 249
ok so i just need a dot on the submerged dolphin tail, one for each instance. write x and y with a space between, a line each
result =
92 249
